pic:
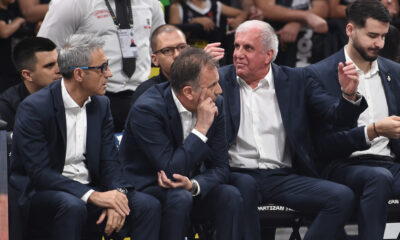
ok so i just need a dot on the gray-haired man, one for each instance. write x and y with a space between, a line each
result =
65 162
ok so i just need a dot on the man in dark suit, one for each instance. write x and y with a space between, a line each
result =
35 59
368 155
174 148
267 111
64 160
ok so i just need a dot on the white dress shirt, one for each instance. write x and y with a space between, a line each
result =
76 127
370 86
188 121
261 142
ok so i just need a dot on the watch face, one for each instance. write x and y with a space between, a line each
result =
122 190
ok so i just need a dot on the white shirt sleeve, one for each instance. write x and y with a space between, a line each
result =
63 19
86 196
200 135
366 136
158 16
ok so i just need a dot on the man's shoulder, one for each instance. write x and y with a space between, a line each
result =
328 64
389 65
154 98
227 73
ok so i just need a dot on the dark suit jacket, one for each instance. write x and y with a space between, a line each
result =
9 101
153 141
300 98
353 140
39 146
146 85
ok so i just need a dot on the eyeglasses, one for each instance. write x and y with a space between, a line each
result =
103 67
169 51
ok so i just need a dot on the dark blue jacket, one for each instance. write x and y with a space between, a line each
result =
300 99
352 140
153 141
39 146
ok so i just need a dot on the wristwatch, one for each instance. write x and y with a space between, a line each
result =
195 187
122 190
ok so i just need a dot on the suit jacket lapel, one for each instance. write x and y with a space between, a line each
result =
386 82
175 120
93 125
282 91
233 97
60 111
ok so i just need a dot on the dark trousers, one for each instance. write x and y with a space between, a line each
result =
331 203
374 181
222 205
120 104
60 215
247 187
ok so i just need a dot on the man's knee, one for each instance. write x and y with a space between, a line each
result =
380 177
179 199
229 197
72 207
144 205
341 198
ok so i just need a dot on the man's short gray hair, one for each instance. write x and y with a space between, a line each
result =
269 40
76 52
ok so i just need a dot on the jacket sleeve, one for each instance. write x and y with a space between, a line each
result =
217 163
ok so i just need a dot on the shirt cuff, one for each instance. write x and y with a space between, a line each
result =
86 196
366 136
357 102
198 188
200 135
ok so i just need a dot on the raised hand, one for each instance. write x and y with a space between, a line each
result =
348 79
215 51
206 111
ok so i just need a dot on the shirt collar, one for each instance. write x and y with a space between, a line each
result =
69 103
179 106
374 65
267 81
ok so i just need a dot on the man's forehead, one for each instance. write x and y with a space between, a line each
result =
167 39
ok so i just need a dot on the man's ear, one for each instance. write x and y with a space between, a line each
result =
350 28
155 60
187 91
78 74
27 75
270 56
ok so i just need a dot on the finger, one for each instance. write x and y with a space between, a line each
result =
340 67
216 111
121 224
108 228
203 94
214 44
102 217
123 204
165 179
160 182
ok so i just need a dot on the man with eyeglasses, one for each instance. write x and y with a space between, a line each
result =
65 163
167 41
